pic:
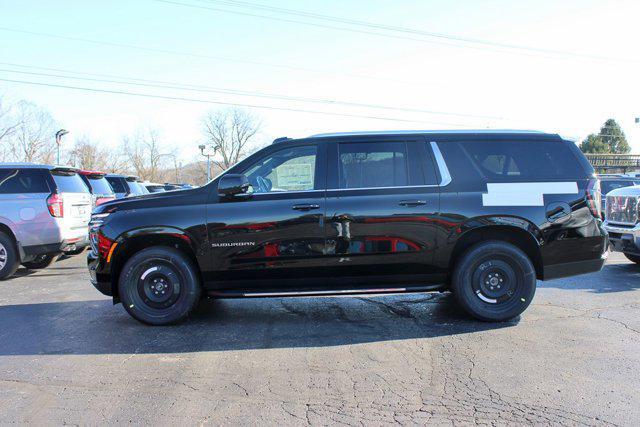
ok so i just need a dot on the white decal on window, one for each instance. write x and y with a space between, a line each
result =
524 193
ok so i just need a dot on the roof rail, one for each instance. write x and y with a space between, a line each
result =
281 139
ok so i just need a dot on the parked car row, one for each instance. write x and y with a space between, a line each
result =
45 211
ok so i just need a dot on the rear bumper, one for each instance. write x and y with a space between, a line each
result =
558 271
54 248
624 239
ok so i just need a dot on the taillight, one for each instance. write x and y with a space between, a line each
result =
594 197
54 202
101 200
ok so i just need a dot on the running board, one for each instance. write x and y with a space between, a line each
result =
318 293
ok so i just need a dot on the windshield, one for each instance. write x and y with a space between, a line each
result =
608 186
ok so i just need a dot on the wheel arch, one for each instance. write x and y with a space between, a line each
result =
517 231
133 241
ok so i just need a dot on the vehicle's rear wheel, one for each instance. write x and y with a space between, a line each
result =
633 258
40 261
8 256
159 286
494 281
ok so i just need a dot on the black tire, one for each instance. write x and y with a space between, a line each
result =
494 281
9 261
159 286
41 261
633 258
77 251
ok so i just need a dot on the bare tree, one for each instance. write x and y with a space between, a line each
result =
88 154
231 132
143 152
8 125
33 138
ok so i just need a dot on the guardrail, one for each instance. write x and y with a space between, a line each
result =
612 163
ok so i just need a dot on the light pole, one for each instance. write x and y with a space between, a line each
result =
208 151
59 136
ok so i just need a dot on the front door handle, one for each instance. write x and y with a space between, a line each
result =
410 203
305 207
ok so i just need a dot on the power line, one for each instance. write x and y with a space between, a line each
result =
194 55
475 43
206 101
393 28
201 88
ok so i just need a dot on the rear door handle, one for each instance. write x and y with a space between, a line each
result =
305 207
412 203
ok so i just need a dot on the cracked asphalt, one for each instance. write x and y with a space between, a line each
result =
67 356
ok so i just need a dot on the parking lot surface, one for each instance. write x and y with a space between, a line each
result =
67 355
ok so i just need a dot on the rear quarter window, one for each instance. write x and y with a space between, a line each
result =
523 160
69 182
23 181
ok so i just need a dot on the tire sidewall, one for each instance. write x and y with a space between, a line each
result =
189 286
13 262
476 255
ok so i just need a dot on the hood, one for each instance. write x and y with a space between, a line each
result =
169 198
633 190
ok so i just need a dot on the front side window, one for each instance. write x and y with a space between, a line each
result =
377 164
290 169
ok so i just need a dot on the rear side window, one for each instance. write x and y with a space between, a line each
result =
523 159
69 182
100 185
137 188
117 184
21 181
377 164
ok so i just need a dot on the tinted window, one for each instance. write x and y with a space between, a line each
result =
20 181
290 169
117 184
524 159
136 188
612 185
100 186
377 164
69 182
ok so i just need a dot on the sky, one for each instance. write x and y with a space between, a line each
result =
580 66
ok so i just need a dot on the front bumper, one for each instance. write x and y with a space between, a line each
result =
99 281
624 239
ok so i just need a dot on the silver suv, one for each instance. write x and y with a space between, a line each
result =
44 210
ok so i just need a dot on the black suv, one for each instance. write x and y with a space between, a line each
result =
483 214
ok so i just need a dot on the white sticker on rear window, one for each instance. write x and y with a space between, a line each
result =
524 193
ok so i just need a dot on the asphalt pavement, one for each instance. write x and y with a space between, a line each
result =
68 356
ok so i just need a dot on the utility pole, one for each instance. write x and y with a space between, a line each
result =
59 136
208 151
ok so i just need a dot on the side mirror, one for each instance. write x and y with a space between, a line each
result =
233 184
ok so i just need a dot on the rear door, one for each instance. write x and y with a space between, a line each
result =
382 205
76 201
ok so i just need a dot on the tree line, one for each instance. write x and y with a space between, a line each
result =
27 135
610 140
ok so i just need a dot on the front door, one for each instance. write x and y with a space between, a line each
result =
275 236
382 206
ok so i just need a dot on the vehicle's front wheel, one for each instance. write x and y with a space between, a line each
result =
8 256
159 286
40 261
494 281
633 258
